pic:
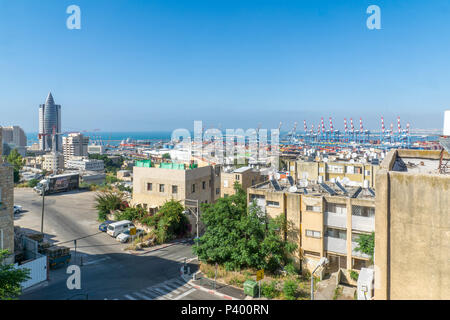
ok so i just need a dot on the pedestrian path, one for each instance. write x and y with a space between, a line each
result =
173 289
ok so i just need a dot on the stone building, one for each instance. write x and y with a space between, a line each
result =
245 176
6 206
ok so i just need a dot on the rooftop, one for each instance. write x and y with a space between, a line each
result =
418 161
317 189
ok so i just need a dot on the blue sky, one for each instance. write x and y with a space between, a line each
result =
159 65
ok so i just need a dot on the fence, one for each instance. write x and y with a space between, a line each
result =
38 271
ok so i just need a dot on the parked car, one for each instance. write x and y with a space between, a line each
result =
104 225
17 209
116 228
125 236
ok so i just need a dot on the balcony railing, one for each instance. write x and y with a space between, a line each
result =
336 245
366 224
334 219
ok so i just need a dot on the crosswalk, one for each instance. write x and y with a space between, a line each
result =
173 289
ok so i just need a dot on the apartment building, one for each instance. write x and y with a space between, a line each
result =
75 145
83 164
6 206
245 176
323 219
153 185
52 161
355 172
412 239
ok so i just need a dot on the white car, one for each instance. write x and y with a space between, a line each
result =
125 236
17 209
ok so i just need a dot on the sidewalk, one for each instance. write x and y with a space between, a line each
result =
222 290
158 247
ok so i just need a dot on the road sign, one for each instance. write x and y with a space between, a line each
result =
259 275
132 231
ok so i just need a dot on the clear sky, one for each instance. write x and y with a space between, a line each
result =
159 65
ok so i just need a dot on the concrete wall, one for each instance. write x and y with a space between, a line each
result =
412 239
6 206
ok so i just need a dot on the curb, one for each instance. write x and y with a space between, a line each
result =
163 246
198 287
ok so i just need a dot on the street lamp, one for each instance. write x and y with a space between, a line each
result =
323 261
44 187
188 212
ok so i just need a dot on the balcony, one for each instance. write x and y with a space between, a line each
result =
366 224
334 219
335 245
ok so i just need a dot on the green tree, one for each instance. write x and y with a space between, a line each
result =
240 237
166 156
17 161
11 278
169 222
108 201
366 244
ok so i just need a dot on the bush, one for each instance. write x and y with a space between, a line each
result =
33 183
107 202
269 290
354 275
291 269
290 289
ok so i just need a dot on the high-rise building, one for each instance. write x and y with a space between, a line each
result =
14 135
75 145
49 119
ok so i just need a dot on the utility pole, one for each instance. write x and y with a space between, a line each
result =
42 215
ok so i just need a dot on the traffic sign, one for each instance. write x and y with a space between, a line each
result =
259 275
132 231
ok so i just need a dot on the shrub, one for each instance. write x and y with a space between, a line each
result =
290 289
32 183
354 275
106 202
291 269
269 290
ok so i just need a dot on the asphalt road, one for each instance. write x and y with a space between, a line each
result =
108 271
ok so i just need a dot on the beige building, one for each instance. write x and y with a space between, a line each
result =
356 172
6 206
75 145
51 161
245 176
412 239
153 186
323 220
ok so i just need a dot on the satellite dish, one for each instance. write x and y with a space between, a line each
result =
346 181
303 183
293 189
277 176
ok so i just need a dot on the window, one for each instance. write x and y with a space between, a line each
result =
149 186
336 208
204 185
253 182
217 190
174 189
363 211
273 203
313 234
313 208
238 177
335 169
367 172
336 233
225 183
350 169
161 188
311 253
225 195
193 188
